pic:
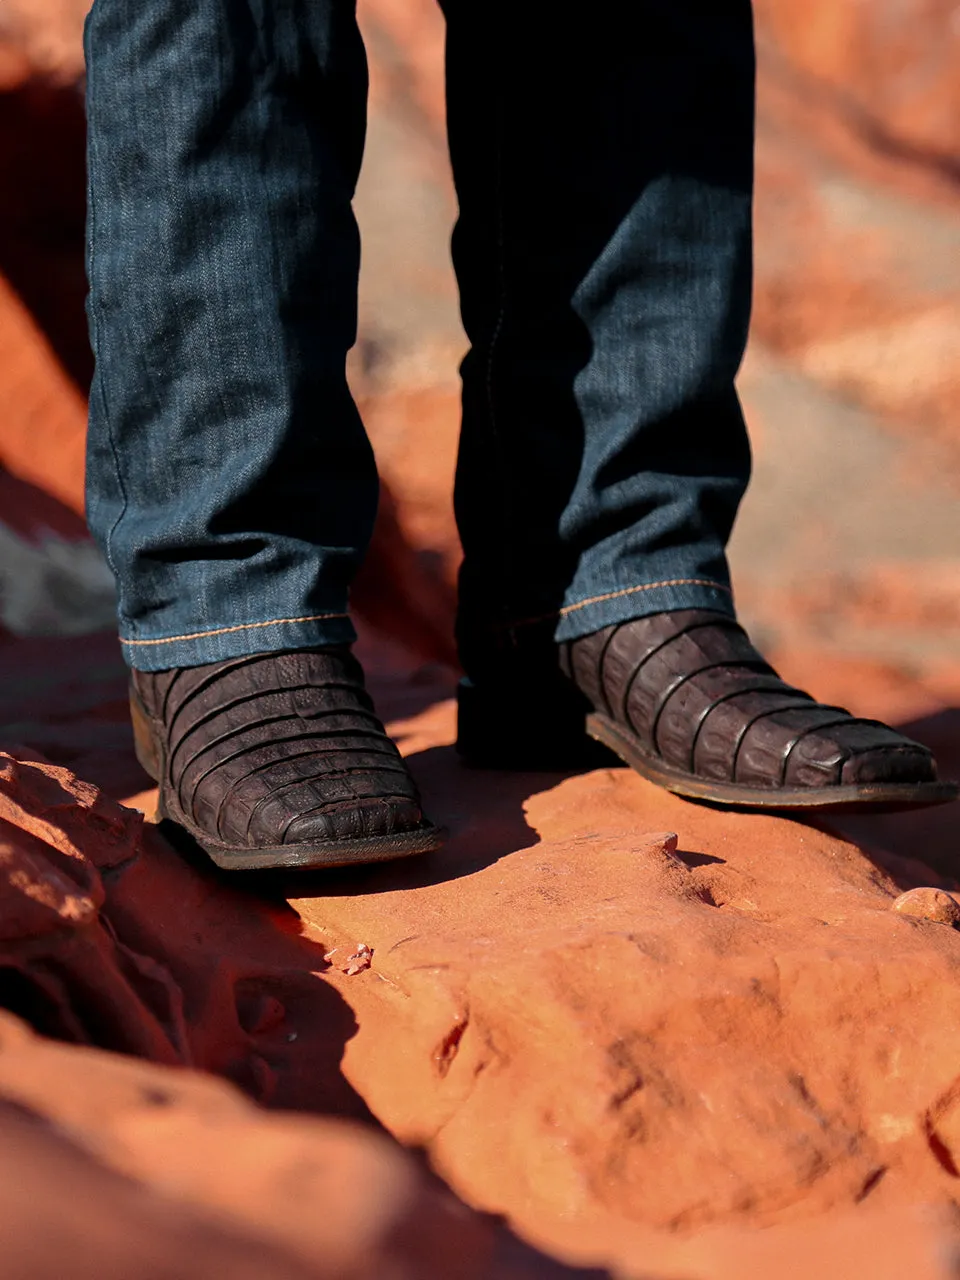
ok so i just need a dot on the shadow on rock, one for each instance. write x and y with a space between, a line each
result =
482 809
109 938
112 1169
925 836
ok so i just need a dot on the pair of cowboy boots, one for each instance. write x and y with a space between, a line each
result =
279 759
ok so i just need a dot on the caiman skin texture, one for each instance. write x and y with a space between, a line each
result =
691 689
275 750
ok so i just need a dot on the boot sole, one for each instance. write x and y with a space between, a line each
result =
322 853
887 797
490 736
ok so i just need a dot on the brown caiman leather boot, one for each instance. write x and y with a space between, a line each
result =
278 760
685 699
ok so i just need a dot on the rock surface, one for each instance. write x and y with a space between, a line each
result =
640 1048
132 1170
110 938
929 904
588 1026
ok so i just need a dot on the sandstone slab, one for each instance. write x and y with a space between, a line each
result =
597 1027
110 939
111 1167
695 1053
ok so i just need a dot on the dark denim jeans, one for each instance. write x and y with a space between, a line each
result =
603 162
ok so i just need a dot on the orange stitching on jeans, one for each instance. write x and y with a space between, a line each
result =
625 591
243 626
647 586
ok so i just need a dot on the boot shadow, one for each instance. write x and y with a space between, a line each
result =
899 841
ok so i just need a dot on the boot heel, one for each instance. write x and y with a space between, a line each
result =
143 739
502 726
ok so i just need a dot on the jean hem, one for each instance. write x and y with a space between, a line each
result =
241 640
581 618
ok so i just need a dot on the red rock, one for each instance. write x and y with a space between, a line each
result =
109 938
591 1031
116 1168
856 208
48 34
402 593
888 72
44 428
929 904
639 1047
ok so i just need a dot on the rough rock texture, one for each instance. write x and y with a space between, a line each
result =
929 904
640 1048
724 1025
109 938
131 1170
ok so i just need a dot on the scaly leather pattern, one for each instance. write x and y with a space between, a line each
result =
278 749
695 692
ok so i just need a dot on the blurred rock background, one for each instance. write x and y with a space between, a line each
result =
849 539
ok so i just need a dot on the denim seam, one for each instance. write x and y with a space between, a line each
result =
625 591
95 326
242 626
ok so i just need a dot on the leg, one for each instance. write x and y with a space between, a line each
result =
231 485
604 170
230 481
604 253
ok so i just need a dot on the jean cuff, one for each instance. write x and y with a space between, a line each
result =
196 648
580 618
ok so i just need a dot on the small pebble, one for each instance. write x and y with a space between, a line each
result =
929 904
360 960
